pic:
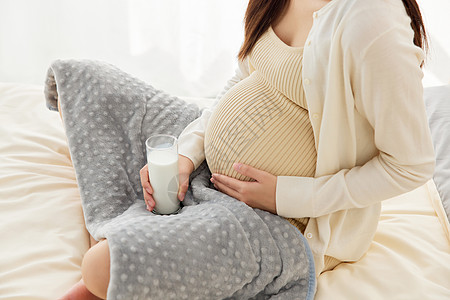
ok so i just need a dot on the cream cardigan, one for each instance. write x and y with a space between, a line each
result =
362 81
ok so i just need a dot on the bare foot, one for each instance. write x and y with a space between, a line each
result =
79 292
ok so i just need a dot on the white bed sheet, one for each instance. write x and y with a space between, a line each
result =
44 238
408 258
42 227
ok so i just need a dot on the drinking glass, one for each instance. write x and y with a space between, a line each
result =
162 160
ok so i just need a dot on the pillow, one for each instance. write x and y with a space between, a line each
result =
437 102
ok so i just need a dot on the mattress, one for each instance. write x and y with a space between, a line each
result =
44 238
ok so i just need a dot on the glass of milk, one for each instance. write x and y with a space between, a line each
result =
162 160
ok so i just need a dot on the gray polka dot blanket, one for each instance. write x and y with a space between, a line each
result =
216 247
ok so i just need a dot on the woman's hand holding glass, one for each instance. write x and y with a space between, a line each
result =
185 168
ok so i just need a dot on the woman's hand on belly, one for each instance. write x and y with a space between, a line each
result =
257 194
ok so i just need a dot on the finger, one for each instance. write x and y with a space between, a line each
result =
184 184
250 171
182 192
149 201
231 182
145 181
227 190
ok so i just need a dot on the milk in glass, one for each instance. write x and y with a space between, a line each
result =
162 160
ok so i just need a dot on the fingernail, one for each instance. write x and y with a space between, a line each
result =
148 190
182 196
237 166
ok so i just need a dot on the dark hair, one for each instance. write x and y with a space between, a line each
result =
420 35
261 13
258 17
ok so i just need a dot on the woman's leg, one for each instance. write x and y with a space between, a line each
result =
95 272
79 292
95 269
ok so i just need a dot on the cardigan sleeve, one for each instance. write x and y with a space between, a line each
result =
388 92
191 139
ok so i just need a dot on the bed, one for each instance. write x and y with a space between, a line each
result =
43 235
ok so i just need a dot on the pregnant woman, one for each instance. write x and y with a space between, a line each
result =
323 120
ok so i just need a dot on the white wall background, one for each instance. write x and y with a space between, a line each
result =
186 47
437 23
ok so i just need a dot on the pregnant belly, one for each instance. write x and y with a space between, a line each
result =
257 125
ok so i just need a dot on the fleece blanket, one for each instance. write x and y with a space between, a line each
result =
216 247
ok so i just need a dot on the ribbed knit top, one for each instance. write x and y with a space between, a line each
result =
263 120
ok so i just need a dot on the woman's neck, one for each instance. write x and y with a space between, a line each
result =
294 25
